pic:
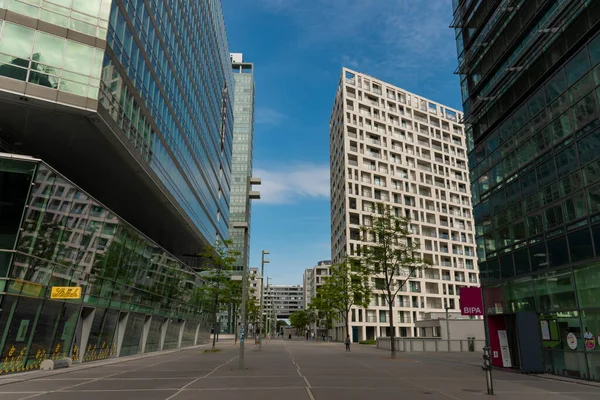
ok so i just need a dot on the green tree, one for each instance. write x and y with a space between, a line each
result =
280 324
219 261
345 287
392 256
299 320
324 311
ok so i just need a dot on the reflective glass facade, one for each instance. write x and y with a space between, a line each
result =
136 297
159 69
530 80
241 167
184 122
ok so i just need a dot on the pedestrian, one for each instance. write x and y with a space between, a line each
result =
323 337
290 336
347 341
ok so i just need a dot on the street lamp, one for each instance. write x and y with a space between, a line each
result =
262 295
447 307
244 226
269 313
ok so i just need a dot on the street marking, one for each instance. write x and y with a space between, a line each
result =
309 393
200 377
84 383
299 373
307 383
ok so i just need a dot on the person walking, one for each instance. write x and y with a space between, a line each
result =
347 341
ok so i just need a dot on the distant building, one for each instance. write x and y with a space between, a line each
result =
313 278
282 300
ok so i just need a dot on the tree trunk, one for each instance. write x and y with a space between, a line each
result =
215 320
391 319
347 328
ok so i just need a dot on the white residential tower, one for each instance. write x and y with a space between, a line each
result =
388 145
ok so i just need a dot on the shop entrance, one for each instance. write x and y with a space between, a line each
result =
515 341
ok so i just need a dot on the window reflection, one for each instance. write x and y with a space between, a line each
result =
52 62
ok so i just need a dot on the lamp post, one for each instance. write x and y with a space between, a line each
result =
446 307
269 313
262 295
243 314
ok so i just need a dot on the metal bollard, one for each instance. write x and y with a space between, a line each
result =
487 367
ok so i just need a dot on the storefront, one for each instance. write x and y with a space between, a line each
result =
548 322
123 293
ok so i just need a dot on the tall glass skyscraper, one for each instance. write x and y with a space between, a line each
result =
241 169
530 77
129 105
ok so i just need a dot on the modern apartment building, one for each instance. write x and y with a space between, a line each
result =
394 147
282 300
529 77
242 156
313 278
255 284
134 111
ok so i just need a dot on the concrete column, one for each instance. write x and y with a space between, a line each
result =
197 332
121 327
86 328
363 332
163 334
145 330
181 330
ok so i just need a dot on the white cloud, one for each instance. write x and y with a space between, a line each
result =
267 116
286 184
383 38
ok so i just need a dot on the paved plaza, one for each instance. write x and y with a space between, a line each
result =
290 370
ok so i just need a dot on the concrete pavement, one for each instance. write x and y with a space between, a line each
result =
290 370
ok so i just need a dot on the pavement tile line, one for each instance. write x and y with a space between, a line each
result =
200 377
88 381
308 387
425 388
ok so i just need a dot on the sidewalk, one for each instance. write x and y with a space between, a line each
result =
290 370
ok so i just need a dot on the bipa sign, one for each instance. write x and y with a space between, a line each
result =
471 302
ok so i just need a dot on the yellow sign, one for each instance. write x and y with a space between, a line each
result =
66 292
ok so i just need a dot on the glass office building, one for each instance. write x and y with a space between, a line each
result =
135 296
132 101
530 81
137 94
241 168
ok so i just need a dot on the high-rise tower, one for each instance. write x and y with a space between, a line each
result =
393 147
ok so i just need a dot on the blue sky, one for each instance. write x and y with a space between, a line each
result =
298 48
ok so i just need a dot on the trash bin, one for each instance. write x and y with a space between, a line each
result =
471 342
